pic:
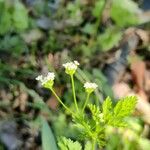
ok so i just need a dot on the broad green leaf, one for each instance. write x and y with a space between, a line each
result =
124 12
5 21
68 144
109 39
20 16
98 8
48 140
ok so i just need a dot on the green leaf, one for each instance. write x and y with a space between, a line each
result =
20 16
68 144
89 29
125 106
109 38
95 112
107 106
124 12
5 20
48 140
98 8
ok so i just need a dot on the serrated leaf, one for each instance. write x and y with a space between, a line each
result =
125 106
95 112
107 106
68 144
48 140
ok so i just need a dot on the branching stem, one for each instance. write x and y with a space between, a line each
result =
87 98
53 91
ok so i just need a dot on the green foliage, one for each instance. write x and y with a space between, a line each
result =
88 146
68 144
107 109
96 114
94 127
13 16
109 38
98 8
125 106
19 16
115 116
124 12
127 138
48 141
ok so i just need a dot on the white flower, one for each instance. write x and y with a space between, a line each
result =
90 87
71 67
39 78
47 81
50 76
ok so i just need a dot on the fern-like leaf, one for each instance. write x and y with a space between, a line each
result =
68 144
125 106
95 112
107 109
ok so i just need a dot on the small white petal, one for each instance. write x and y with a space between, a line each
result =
76 63
71 65
89 85
50 76
43 79
39 78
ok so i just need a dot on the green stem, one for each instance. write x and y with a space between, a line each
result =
93 144
61 102
87 98
74 94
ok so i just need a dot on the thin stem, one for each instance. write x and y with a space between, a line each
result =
93 144
61 102
74 94
87 98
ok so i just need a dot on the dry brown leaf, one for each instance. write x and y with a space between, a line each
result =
121 89
147 81
143 36
21 101
138 73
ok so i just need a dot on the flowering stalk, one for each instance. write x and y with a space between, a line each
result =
87 98
61 101
74 93
70 68
47 82
89 88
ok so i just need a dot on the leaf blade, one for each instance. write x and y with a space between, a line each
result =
48 140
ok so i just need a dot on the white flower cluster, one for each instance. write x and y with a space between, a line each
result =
71 67
90 87
47 80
